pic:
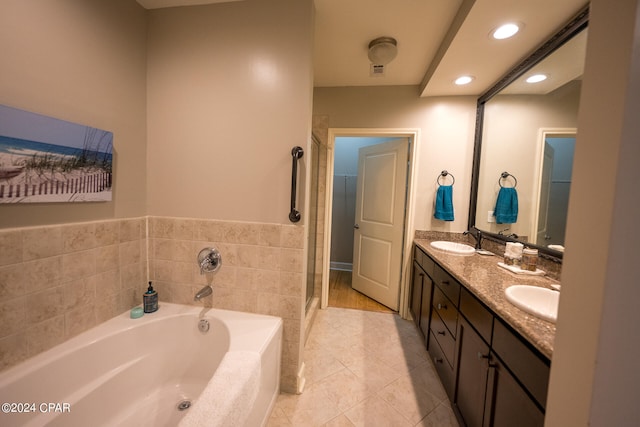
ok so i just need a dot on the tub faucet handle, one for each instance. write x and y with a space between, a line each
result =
209 260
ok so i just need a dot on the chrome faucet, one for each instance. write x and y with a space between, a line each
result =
209 261
204 292
477 237
510 236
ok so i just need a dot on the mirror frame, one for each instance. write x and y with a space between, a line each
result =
578 23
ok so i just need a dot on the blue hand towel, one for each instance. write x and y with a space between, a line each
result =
444 203
506 210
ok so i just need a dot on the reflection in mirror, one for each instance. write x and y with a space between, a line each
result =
522 174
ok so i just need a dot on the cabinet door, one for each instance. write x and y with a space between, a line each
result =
416 293
473 368
507 402
425 310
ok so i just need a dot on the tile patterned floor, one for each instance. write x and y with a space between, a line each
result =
365 369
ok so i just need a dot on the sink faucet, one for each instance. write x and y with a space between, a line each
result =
204 292
477 237
510 236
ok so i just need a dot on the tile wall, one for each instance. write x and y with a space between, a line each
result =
58 281
261 272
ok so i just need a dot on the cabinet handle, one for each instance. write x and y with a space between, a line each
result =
482 356
446 282
441 333
437 359
442 306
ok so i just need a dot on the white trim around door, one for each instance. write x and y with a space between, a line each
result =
409 229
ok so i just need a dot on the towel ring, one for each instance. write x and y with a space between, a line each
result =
443 175
505 175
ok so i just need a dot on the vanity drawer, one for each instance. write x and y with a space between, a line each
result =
530 368
418 254
427 264
447 284
477 314
443 336
445 371
446 310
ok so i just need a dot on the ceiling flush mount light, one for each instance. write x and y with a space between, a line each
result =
463 80
536 78
382 50
505 31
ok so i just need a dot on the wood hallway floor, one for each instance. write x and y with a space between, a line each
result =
342 295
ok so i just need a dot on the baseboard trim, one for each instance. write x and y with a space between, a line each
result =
300 380
342 266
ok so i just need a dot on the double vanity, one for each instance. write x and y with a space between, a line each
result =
493 358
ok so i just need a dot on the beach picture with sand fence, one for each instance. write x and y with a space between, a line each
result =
46 160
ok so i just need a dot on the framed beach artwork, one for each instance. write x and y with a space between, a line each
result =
46 160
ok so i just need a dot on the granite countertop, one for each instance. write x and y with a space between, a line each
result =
482 276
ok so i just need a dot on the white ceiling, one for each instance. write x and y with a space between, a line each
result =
564 65
432 52
438 40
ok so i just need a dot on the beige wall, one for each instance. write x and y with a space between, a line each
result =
229 96
225 93
446 127
84 62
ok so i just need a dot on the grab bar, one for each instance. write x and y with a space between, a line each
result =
296 153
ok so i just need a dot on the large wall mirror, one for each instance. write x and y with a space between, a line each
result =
525 138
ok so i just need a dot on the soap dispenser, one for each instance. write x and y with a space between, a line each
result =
150 300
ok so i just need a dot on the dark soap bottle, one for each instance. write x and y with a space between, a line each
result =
150 299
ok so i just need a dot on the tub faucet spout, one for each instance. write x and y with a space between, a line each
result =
204 292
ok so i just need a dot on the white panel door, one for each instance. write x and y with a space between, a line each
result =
379 229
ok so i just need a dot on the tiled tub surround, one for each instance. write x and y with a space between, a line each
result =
261 272
58 281
481 275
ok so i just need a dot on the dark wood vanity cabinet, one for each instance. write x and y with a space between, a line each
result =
443 326
421 290
508 403
492 376
472 374
417 279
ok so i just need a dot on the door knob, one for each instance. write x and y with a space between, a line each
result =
356 226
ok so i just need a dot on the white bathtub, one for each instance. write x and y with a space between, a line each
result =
135 372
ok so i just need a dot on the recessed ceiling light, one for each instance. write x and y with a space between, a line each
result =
536 78
505 31
463 80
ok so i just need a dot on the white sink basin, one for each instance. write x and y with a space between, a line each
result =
453 247
540 302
